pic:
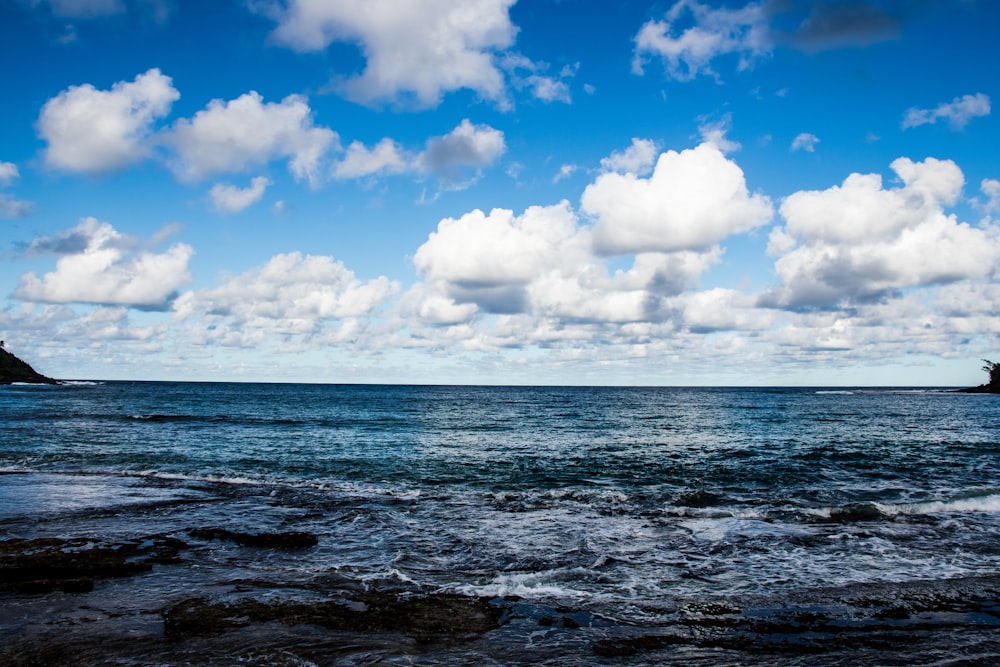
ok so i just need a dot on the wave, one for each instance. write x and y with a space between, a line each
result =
988 503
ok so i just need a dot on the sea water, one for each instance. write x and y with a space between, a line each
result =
615 501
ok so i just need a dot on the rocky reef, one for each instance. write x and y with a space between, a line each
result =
13 369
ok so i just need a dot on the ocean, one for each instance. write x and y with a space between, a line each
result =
302 524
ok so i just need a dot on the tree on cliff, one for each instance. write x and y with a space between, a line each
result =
993 368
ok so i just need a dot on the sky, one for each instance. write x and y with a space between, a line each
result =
570 192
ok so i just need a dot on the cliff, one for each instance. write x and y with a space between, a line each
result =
13 370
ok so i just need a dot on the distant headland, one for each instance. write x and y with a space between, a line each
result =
991 387
14 370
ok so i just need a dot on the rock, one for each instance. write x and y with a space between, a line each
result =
992 388
287 541
426 617
13 370
855 513
699 499
71 565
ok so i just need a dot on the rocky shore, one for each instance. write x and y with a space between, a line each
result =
991 388
13 369
340 621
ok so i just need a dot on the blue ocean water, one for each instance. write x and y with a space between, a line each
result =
619 501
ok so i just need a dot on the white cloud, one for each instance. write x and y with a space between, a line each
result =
861 210
245 133
455 159
958 112
231 199
548 89
386 157
805 142
8 173
693 200
92 130
415 50
541 265
490 259
715 133
466 147
543 87
101 266
9 206
565 171
715 32
291 295
859 241
991 188
637 159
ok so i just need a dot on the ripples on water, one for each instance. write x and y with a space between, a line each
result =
615 500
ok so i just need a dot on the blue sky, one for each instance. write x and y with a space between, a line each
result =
490 191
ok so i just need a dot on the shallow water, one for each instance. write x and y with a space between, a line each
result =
618 503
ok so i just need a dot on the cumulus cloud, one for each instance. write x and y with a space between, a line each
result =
235 136
637 159
958 112
291 295
386 157
689 52
468 146
415 50
692 200
490 259
541 265
861 241
100 266
91 130
805 142
231 199
456 159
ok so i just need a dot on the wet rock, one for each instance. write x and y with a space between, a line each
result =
425 617
71 565
616 647
881 617
855 513
291 540
699 499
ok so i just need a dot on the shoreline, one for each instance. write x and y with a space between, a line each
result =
123 581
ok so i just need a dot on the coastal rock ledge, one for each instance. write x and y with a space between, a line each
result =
14 370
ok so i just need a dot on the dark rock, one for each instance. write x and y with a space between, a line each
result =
699 499
71 565
426 617
616 647
856 512
290 540
13 370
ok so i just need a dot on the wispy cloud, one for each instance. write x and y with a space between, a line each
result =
958 112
